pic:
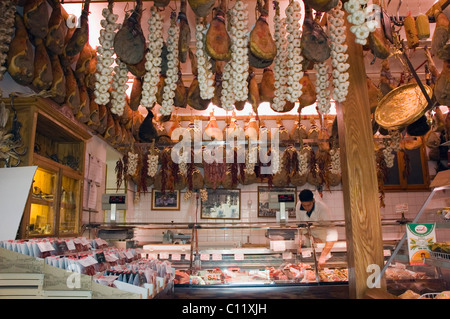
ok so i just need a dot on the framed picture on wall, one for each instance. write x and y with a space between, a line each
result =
165 201
268 201
222 204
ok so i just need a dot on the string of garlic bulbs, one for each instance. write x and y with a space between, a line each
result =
153 58
339 57
204 194
335 161
302 163
170 82
322 88
294 22
363 19
132 163
239 50
205 75
280 72
251 160
105 51
152 164
120 86
234 78
188 194
392 146
275 161
7 11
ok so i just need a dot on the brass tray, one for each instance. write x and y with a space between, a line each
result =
402 106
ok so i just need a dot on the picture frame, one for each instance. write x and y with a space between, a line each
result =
268 201
165 201
222 204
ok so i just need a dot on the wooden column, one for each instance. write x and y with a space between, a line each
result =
359 178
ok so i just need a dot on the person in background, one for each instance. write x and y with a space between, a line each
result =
316 211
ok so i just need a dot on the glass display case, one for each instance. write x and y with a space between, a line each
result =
55 144
419 266
42 208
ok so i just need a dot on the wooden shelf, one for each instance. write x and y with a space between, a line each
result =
41 201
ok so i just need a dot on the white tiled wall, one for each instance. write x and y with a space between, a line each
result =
334 199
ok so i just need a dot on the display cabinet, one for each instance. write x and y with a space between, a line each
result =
54 142
420 262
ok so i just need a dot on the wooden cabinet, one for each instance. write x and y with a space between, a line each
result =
56 144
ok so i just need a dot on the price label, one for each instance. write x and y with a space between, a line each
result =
306 253
204 256
70 245
176 256
163 255
216 256
239 256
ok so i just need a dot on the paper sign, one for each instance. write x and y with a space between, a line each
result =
238 256
306 253
278 245
204 256
176 256
401 208
216 256
420 239
88 261
163 255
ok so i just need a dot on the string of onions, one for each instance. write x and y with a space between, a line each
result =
153 58
339 56
7 11
170 82
105 52
205 75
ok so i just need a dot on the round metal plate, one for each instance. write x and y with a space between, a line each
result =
402 106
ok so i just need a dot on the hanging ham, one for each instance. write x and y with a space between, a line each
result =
35 17
129 42
185 33
308 96
58 88
85 101
136 93
147 131
72 91
81 34
266 87
201 8
57 29
314 42
217 40
442 86
262 46
21 55
43 75
322 5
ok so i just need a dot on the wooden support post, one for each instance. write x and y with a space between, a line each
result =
359 178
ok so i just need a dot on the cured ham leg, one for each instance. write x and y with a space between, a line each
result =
21 55
81 35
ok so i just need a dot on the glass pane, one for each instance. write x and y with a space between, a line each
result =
42 220
69 212
44 184
42 213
